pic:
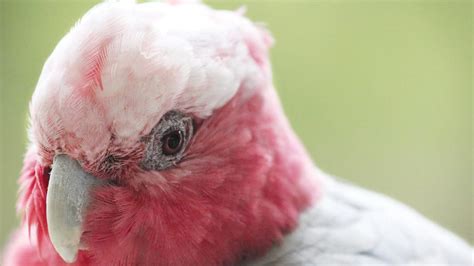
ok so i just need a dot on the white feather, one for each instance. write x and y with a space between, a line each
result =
152 57
353 226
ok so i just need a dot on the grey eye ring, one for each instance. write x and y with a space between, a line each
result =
167 141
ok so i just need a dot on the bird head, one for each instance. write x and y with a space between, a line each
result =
158 138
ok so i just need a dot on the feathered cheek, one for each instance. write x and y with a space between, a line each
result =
32 201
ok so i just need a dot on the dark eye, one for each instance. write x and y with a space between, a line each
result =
166 143
172 142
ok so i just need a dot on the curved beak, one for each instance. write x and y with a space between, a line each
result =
66 203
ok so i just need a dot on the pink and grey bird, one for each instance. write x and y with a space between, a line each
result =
157 138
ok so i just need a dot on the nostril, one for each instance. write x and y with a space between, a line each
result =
112 163
111 159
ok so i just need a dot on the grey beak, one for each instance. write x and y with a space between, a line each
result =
66 203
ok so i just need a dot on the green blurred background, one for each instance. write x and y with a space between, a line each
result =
379 91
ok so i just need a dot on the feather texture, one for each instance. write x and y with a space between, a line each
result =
353 226
244 178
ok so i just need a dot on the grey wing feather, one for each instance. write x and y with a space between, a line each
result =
353 226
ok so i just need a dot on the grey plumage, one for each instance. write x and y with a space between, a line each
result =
353 226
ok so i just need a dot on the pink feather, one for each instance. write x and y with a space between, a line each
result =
245 177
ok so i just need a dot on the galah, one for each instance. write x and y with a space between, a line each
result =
157 138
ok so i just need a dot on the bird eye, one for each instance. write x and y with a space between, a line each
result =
166 143
172 142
